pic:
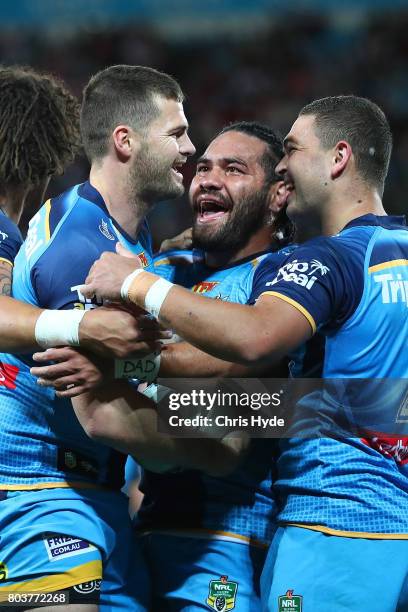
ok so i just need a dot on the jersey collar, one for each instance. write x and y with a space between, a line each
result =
386 221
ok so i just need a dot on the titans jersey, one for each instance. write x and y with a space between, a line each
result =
10 239
240 505
41 442
353 287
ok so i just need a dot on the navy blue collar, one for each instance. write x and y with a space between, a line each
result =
386 221
88 192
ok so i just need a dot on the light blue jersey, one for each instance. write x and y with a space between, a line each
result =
41 441
353 287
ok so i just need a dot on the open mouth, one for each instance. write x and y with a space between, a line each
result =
209 209
176 168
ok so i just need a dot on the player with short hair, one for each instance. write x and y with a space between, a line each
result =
39 136
64 522
345 497
214 527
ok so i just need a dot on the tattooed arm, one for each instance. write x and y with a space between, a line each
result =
6 274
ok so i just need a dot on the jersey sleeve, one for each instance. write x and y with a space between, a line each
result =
320 279
10 240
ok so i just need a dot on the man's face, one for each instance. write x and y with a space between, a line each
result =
228 194
164 150
305 168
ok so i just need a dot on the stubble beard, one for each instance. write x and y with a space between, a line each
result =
150 179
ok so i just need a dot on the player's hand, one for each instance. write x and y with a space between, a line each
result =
114 332
183 241
72 373
106 276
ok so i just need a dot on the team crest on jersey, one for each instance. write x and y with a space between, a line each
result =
8 375
300 272
3 572
205 286
104 229
290 602
222 594
143 259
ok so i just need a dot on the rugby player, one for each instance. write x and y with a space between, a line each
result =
64 524
39 136
196 528
345 499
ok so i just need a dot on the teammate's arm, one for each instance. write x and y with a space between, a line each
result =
246 334
118 416
103 331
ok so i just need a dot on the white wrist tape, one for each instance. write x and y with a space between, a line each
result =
58 328
144 369
156 295
124 290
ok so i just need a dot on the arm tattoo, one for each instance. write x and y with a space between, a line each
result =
6 274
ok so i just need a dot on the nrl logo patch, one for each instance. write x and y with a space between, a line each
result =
222 594
290 602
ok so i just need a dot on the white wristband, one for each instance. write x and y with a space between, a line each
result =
144 369
58 328
156 295
124 290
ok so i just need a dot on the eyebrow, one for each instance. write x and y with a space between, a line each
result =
226 160
288 140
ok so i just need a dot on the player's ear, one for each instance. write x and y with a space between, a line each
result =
125 141
278 194
341 156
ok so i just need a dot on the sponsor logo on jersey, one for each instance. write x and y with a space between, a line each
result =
222 594
3 236
8 375
88 587
60 547
3 572
204 286
393 447
300 272
143 259
394 288
290 602
104 229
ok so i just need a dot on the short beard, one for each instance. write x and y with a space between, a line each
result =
246 218
150 180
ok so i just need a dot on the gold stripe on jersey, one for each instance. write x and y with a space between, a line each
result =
207 534
55 582
351 534
298 307
36 486
47 220
6 261
388 264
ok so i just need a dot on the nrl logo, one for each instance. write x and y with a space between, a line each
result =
290 602
222 594
104 229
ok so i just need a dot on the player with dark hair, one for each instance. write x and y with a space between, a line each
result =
344 497
214 527
39 136
64 523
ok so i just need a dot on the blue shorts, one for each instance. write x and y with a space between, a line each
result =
314 571
198 573
57 539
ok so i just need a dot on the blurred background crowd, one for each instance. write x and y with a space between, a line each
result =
241 60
